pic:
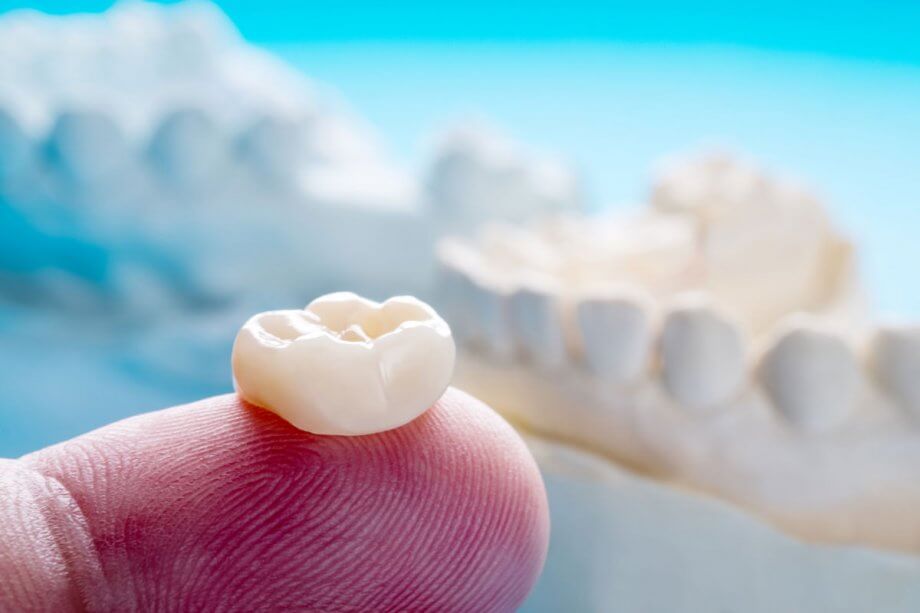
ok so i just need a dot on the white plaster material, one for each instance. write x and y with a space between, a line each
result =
755 226
811 375
618 536
895 357
702 357
616 334
345 365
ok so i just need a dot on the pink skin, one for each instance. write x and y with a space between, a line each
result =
219 505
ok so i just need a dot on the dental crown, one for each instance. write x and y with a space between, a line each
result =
345 365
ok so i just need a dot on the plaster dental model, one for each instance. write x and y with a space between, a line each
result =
702 343
345 365
119 153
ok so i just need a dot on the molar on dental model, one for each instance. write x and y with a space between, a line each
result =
702 356
345 365
811 375
616 334
537 327
87 146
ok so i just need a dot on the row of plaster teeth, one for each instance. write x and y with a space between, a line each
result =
186 148
812 375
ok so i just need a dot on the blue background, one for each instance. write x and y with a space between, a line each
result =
879 30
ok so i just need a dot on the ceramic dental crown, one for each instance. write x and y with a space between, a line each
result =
345 365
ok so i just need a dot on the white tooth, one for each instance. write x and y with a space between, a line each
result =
537 327
703 357
454 287
87 146
477 311
345 365
811 375
187 148
454 290
276 148
489 308
616 335
895 355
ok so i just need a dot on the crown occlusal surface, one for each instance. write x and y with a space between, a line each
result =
345 365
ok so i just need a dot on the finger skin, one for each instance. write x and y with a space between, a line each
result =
219 505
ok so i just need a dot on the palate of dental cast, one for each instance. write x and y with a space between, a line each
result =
616 335
895 359
345 365
708 186
811 375
703 357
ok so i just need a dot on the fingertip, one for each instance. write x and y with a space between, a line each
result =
222 502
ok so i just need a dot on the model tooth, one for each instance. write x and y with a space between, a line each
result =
455 290
895 356
616 335
276 148
537 327
811 375
187 148
489 307
87 146
702 357
345 365
477 311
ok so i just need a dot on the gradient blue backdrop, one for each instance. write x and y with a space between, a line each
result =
884 30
